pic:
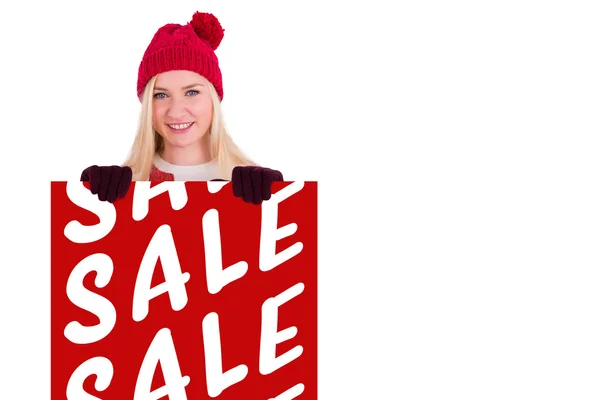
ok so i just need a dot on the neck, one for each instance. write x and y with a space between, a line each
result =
194 154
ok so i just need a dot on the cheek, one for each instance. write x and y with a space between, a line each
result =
206 115
203 110
157 116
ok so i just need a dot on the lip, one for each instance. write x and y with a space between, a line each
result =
177 131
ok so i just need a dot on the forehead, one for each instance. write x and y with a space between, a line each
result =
179 78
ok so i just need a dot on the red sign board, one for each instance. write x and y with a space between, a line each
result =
182 291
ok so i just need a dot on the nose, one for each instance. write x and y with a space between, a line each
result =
176 108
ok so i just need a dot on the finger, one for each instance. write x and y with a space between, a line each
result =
236 182
103 183
256 176
94 177
247 184
113 184
268 178
85 175
125 182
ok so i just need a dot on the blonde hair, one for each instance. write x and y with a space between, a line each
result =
148 141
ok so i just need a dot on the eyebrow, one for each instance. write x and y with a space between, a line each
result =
183 88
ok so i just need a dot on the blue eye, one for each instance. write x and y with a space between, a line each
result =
157 95
193 92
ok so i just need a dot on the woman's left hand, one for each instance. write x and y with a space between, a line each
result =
253 184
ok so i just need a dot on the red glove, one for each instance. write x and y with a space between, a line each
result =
109 183
253 184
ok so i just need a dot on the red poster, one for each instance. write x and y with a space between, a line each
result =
183 291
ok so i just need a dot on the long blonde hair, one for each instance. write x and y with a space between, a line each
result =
148 142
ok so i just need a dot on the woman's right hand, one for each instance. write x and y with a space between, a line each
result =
109 183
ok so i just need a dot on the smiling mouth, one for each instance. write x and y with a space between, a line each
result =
180 127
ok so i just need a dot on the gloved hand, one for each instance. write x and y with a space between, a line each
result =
253 184
109 183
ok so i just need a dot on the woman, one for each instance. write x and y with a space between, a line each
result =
181 134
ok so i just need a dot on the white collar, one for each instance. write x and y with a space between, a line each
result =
199 172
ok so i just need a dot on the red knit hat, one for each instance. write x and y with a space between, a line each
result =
188 47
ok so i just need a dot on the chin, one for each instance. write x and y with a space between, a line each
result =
182 143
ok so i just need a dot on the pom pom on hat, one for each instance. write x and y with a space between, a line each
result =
207 27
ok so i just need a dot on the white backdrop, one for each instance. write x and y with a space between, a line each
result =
456 149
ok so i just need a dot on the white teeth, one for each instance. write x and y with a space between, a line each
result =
180 126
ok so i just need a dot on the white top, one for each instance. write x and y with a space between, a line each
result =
201 172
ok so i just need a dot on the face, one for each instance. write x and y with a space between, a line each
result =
182 108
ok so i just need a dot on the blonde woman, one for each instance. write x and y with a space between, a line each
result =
181 134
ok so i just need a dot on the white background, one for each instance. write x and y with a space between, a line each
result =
456 146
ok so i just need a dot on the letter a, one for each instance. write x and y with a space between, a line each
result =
161 350
143 193
161 245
